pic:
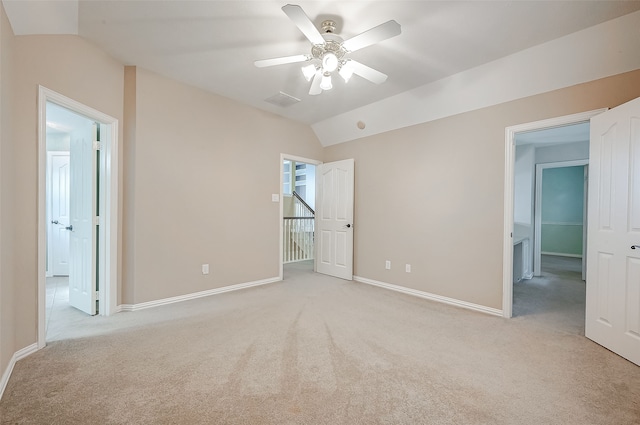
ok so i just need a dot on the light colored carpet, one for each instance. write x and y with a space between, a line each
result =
319 350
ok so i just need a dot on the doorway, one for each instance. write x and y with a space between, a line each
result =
297 212
71 194
560 219
554 294
77 207
519 210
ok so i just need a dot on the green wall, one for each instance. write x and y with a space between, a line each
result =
562 209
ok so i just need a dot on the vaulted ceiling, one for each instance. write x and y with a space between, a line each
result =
213 44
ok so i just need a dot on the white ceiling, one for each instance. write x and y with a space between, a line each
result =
212 44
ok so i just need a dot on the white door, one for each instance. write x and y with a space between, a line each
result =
334 219
82 271
613 253
58 213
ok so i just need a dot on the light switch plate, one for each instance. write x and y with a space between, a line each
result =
275 197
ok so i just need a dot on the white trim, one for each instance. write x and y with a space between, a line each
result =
507 242
108 294
429 296
18 355
192 296
509 158
537 204
283 157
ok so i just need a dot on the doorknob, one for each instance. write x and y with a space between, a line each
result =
635 246
70 227
55 222
348 226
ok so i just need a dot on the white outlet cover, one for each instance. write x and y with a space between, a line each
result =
205 269
407 268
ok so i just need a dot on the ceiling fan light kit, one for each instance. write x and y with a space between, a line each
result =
325 84
329 52
309 71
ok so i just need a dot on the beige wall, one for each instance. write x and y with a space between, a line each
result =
442 185
7 323
191 155
75 68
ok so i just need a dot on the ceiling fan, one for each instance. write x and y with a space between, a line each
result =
330 52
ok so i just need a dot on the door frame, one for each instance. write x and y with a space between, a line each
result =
107 260
509 168
287 157
537 215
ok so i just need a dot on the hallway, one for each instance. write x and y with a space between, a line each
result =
556 299
62 320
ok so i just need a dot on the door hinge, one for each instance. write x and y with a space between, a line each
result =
96 221
97 146
97 295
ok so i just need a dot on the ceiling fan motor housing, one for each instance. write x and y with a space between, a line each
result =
328 26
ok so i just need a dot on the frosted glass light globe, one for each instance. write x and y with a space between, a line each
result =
329 62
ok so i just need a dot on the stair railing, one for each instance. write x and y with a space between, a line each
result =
298 231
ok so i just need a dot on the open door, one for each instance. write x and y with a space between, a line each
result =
613 268
82 229
58 207
334 219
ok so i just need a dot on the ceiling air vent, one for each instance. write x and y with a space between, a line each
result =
282 99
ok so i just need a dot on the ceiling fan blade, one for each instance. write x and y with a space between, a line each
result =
304 24
315 84
370 74
281 61
374 35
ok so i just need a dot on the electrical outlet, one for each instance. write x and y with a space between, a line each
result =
205 269
407 268
387 265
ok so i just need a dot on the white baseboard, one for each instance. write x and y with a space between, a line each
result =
561 254
18 355
429 296
186 297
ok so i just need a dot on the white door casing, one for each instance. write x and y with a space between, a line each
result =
82 271
585 220
109 195
334 218
537 216
294 158
58 212
509 163
613 267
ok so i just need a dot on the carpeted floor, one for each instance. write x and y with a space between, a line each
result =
319 350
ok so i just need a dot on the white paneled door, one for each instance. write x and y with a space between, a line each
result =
334 219
613 253
82 272
58 200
